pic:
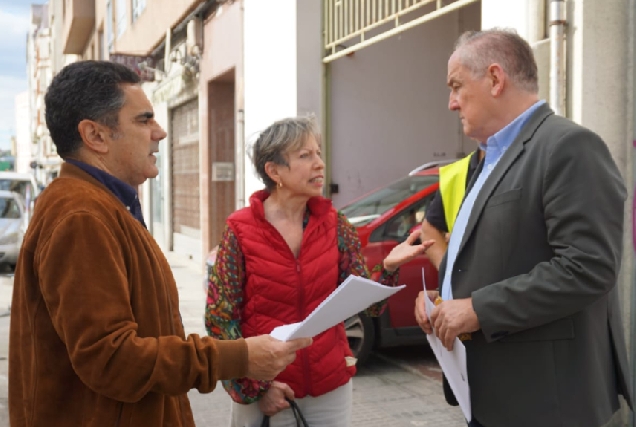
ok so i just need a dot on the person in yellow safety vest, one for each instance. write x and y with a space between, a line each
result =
443 209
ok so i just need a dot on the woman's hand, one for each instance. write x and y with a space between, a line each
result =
406 251
274 400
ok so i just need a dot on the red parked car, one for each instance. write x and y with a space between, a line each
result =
384 218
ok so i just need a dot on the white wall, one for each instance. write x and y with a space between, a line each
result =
23 133
528 18
601 97
389 106
271 73
525 16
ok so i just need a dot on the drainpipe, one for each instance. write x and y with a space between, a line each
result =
240 119
631 30
330 188
557 57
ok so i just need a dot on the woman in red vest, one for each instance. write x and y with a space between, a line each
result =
278 259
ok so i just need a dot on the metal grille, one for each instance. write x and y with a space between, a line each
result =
185 167
351 25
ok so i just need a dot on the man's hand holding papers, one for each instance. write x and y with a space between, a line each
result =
452 319
452 360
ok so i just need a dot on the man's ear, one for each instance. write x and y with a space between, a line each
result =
94 136
497 78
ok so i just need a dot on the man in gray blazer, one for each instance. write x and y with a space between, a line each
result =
535 253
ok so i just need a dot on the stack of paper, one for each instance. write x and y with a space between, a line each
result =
453 363
354 295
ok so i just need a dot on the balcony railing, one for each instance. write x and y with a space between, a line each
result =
351 25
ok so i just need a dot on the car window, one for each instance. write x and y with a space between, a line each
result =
367 209
400 226
9 209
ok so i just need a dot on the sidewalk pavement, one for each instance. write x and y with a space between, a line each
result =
6 290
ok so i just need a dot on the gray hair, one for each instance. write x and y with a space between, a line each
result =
479 49
279 139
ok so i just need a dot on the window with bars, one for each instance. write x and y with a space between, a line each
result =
138 6
121 17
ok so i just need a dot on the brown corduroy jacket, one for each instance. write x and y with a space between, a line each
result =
96 337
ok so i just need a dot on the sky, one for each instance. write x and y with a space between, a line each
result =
14 24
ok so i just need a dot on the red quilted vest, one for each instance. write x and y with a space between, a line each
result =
281 289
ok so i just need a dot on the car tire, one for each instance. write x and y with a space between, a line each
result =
361 336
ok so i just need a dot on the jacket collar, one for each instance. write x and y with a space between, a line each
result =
121 191
317 206
71 171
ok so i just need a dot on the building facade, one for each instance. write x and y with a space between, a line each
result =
162 41
22 133
44 160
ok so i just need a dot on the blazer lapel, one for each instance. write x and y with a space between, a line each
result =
507 160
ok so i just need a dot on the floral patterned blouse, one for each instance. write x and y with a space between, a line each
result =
225 295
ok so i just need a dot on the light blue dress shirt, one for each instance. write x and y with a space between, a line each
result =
494 147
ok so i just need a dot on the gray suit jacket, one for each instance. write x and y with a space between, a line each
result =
540 258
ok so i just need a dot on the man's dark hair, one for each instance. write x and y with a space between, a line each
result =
84 90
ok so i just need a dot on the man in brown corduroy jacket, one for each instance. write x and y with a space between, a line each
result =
96 337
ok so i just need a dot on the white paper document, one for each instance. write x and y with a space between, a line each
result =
453 363
354 295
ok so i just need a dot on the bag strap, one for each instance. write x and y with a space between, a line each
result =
300 418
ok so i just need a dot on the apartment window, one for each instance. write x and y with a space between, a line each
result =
109 25
138 6
120 9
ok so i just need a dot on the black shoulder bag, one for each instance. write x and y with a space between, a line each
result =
300 419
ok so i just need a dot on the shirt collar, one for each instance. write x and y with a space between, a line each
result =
501 140
124 192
